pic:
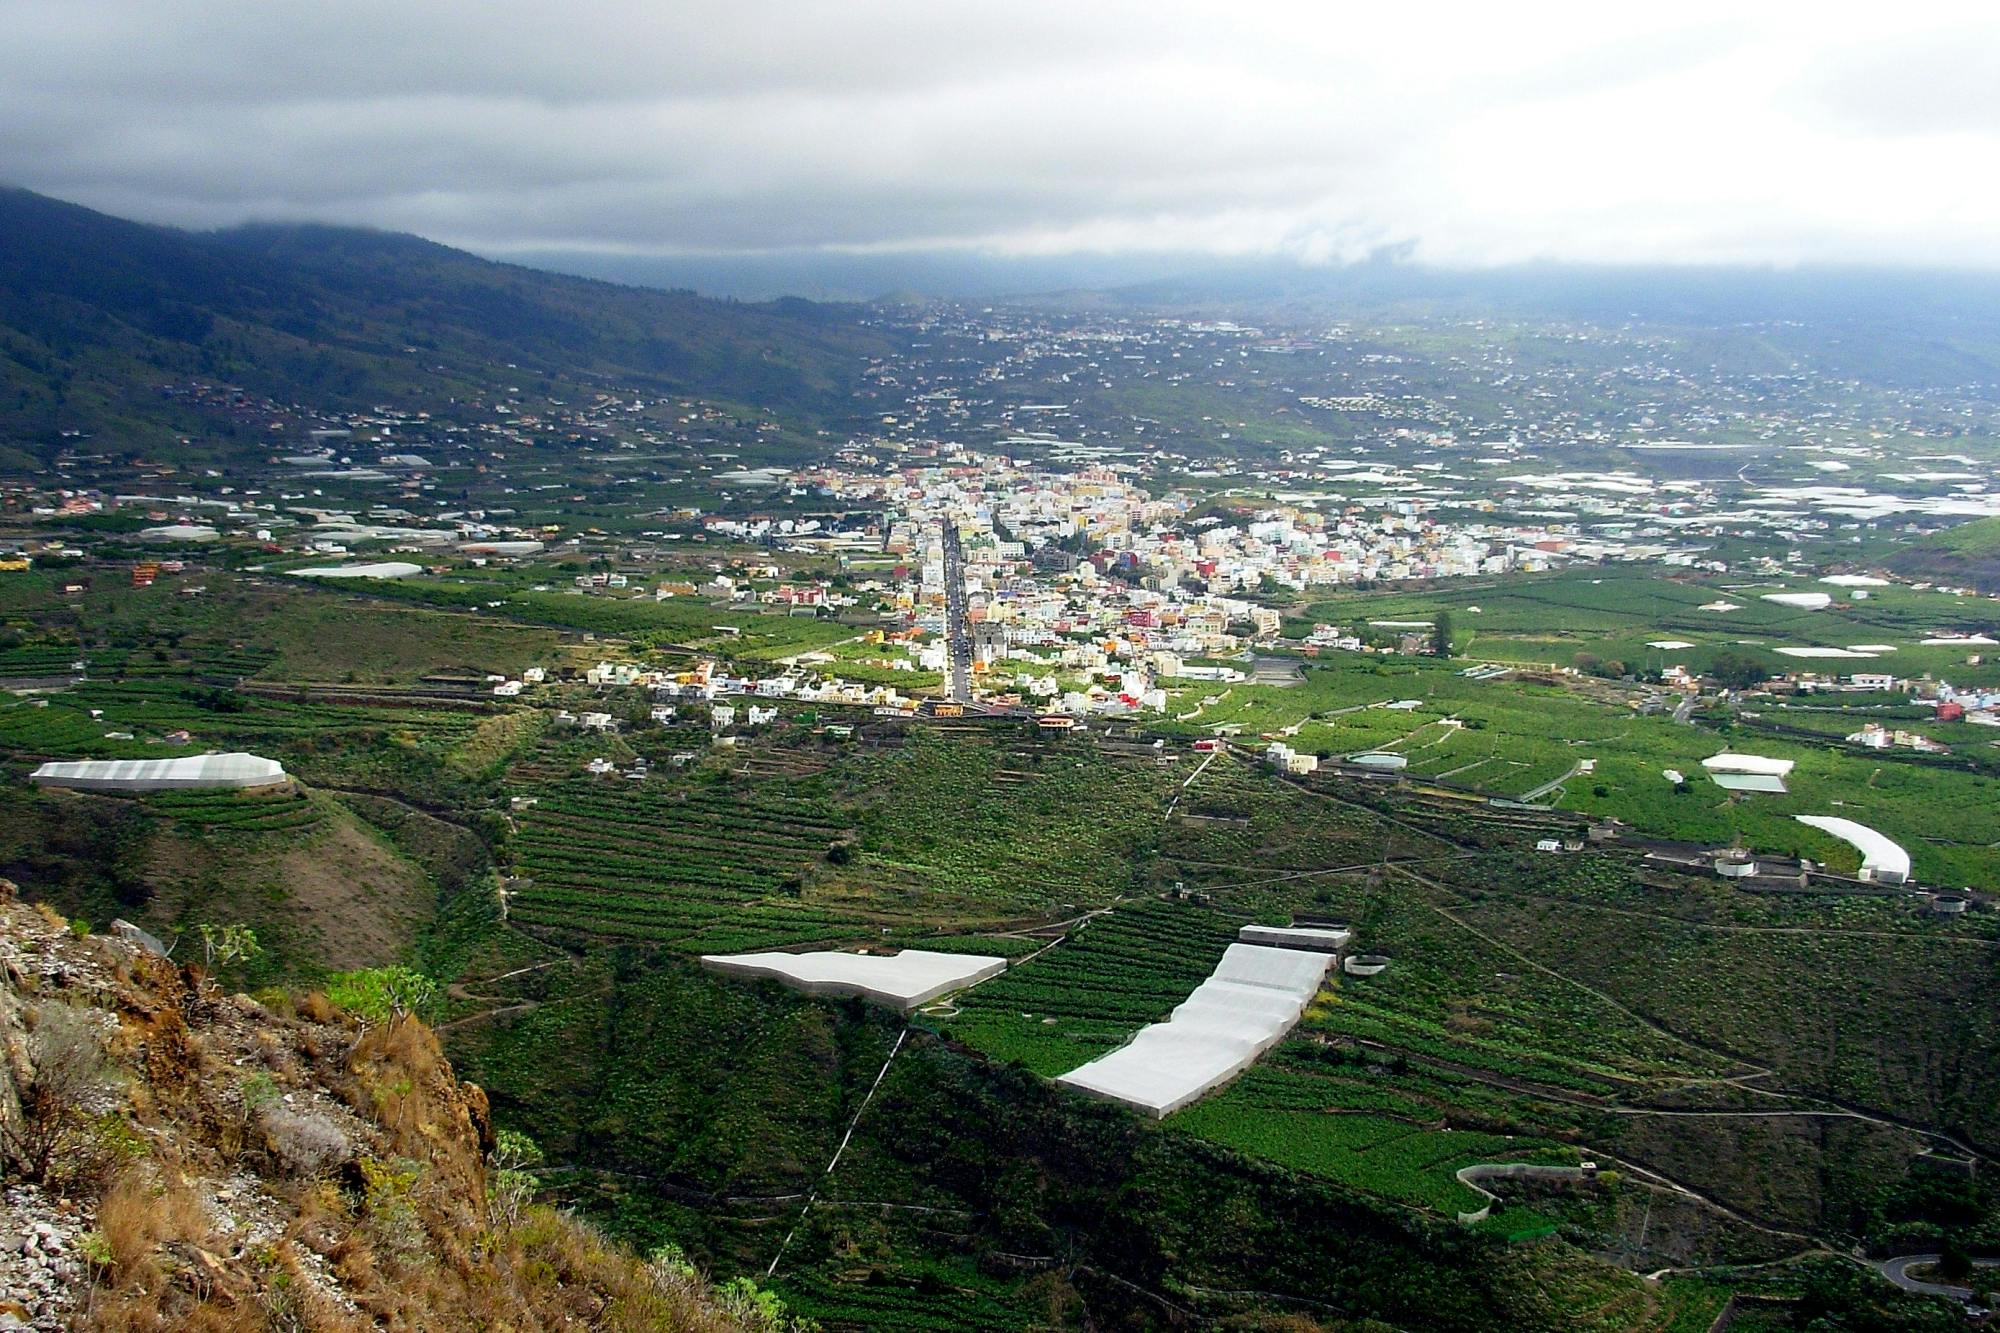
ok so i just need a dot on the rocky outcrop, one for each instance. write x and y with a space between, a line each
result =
176 1158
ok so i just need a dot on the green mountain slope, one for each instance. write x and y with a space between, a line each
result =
1966 554
98 313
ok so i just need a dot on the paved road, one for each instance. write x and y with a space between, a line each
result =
957 629
1897 1270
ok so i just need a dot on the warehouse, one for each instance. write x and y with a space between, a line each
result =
194 771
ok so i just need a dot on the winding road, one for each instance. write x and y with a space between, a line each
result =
1897 1270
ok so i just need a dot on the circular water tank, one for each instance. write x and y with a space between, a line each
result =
1949 904
1365 964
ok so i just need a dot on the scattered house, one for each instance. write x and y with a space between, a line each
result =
1287 760
1878 737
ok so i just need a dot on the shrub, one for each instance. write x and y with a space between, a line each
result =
52 1136
382 993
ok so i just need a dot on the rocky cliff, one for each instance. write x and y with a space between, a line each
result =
180 1158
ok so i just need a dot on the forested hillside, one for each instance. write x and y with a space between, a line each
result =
97 314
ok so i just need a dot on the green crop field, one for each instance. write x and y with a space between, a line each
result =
1544 621
1110 977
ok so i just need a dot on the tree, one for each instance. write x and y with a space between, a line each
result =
1737 671
383 993
1441 635
51 1136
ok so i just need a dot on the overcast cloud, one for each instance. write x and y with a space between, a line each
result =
1474 134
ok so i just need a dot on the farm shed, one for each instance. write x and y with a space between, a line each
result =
1882 861
902 981
1253 998
203 770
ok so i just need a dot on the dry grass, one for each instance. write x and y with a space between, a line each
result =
386 1221
158 1238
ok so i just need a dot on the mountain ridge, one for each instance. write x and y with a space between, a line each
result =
97 313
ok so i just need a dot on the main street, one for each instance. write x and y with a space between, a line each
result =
957 624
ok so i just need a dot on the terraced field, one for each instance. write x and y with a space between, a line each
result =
970 828
700 869
1378 1154
281 809
1115 973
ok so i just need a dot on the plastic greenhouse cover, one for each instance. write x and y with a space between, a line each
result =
905 980
202 770
1249 1002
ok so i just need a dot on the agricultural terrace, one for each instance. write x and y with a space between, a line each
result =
1112 975
1613 615
759 633
1453 994
1378 1154
1724 967
700 866
1520 740
866 663
241 626
976 828
1236 829
280 809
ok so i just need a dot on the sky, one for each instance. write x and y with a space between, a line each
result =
1455 135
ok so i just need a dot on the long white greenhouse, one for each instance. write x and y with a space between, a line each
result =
1249 1002
201 770
1883 860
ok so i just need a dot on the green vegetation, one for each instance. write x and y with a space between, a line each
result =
354 318
1112 975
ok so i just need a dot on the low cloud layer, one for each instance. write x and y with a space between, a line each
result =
1464 135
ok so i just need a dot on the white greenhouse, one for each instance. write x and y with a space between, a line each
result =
202 770
903 981
1748 772
1882 861
1249 1002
